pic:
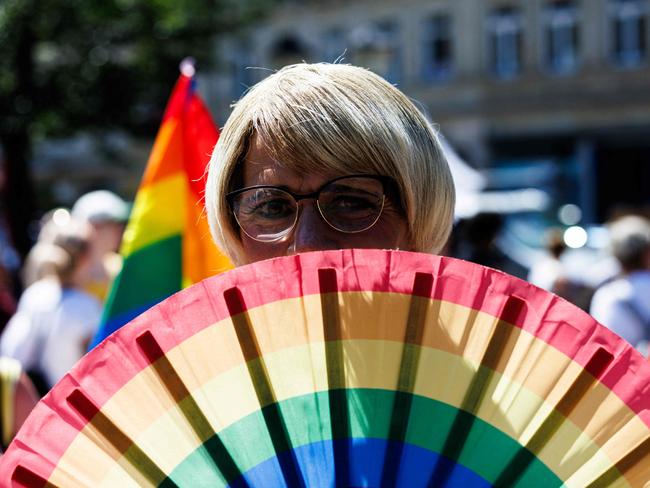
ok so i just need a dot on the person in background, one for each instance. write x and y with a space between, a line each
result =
547 271
107 214
56 318
623 304
42 258
475 239
551 274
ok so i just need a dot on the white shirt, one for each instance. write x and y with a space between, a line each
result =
23 337
546 272
51 328
72 325
609 306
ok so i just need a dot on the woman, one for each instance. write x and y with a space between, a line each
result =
622 303
327 156
56 318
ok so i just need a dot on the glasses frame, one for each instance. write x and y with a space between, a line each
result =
388 186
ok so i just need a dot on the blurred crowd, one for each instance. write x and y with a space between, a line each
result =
64 280
67 274
614 289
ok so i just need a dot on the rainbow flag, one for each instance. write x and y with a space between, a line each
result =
167 244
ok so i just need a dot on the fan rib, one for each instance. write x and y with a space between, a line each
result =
462 425
186 403
594 368
337 393
420 298
26 477
133 454
630 460
275 423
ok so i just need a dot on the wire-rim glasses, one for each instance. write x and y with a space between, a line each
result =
349 204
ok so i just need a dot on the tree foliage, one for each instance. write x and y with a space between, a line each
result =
67 65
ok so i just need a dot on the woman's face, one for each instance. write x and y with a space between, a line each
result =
311 232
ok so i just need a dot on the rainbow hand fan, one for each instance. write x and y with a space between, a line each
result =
348 368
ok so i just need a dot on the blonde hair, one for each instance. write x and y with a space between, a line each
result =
336 119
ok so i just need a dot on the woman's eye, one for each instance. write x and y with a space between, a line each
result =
272 209
351 203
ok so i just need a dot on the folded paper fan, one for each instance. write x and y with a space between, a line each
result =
348 368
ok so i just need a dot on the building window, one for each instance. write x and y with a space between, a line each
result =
376 47
505 42
628 31
561 37
437 48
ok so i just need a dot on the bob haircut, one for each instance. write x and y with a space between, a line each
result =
335 119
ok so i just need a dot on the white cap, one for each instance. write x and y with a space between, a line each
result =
100 206
629 237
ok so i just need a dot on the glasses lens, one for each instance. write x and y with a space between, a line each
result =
352 204
265 214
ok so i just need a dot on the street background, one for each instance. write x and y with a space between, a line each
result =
544 104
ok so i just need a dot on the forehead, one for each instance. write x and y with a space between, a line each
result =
260 168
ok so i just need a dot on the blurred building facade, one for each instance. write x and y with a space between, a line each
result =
66 168
553 92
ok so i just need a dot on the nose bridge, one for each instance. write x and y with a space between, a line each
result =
310 232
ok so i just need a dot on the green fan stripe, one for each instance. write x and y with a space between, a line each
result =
148 275
485 450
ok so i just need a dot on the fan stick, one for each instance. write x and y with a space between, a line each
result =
594 368
174 385
420 299
263 389
337 393
631 459
118 439
26 477
462 425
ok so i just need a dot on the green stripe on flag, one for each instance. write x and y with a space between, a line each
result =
148 275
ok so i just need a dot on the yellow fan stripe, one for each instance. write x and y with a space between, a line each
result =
372 356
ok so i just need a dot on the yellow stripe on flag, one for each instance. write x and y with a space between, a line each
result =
158 212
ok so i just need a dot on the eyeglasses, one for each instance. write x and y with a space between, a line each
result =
348 204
